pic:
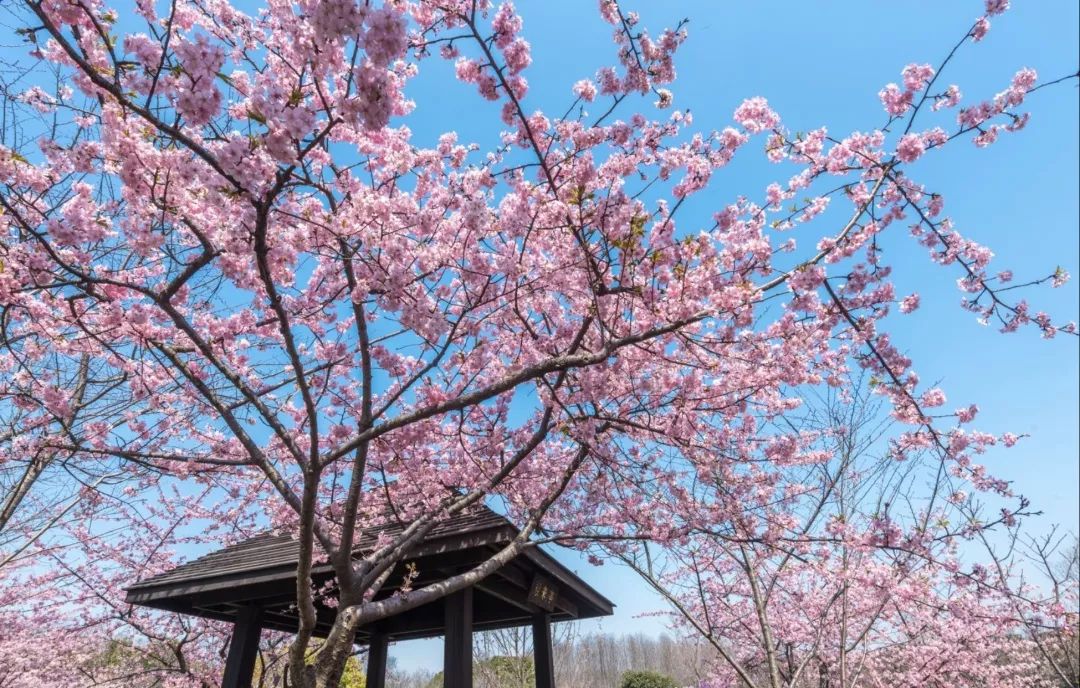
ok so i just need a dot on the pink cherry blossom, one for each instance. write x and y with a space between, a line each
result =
910 148
756 116
586 90
37 98
895 101
933 397
385 38
909 303
916 76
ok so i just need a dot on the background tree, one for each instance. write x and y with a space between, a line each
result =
846 572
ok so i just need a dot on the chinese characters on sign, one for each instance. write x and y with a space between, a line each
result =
543 593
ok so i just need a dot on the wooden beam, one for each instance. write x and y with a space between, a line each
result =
376 661
478 626
243 649
511 594
543 658
457 652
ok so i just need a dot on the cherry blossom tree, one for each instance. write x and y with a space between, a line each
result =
61 599
845 572
228 270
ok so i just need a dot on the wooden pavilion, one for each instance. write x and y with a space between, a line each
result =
253 585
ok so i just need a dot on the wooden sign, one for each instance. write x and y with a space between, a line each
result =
543 593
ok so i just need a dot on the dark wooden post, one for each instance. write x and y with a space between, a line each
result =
542 654
243 649
376 661
457 652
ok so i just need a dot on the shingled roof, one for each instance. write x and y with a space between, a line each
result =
262 569
269 551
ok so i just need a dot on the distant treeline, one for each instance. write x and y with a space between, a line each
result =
503 659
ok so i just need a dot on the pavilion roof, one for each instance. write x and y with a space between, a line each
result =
261 571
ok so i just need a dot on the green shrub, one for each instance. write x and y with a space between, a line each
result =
646 679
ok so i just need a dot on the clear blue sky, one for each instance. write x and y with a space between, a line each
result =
822 64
